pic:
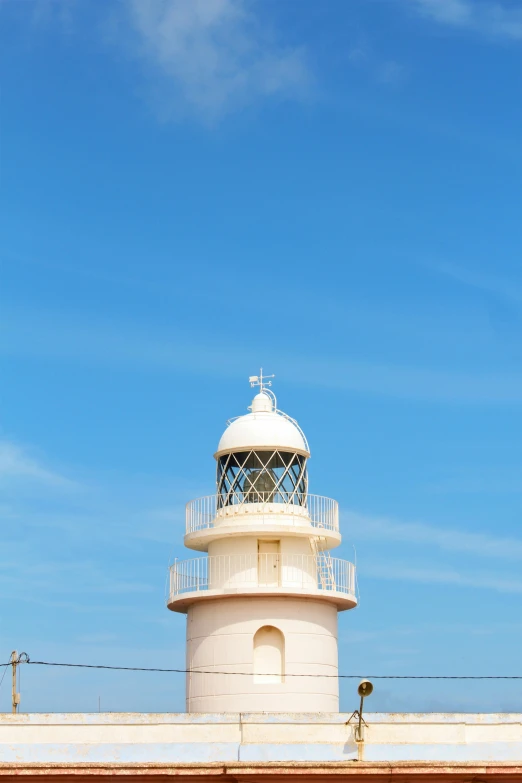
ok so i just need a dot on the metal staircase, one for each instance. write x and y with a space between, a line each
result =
324 564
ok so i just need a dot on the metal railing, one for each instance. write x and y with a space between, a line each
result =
203 513
287 571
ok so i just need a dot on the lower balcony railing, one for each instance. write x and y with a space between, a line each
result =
287 571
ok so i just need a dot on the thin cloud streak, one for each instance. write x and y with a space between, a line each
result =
493 19
390 72
426 629
402 573
15 463
103 344
488 283
384 529
51 577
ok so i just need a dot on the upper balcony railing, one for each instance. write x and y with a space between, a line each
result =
288 572
204 513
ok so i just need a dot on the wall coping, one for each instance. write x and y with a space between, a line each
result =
195 718
462 772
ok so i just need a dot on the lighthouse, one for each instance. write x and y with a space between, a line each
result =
262 602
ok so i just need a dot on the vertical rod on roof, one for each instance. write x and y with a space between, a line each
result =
15 695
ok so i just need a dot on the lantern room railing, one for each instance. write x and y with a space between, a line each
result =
320 512
308 573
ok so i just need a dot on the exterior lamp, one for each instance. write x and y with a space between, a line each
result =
364 689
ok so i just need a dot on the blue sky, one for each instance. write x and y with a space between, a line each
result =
330 190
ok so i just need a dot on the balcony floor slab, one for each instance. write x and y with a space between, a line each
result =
181 602
260 525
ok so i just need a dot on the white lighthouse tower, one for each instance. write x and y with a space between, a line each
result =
262 606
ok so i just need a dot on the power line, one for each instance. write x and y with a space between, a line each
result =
3 675
249 674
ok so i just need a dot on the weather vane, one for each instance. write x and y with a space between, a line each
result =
260 380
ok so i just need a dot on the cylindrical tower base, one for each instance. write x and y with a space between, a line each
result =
262 642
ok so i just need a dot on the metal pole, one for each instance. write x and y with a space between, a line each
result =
15 695
359 735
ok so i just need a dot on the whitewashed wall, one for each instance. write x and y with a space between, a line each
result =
223 641
137 737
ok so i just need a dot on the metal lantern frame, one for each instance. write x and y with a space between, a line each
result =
262 476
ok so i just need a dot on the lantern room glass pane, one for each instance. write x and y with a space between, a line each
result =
261 477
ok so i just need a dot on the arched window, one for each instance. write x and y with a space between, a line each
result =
269 655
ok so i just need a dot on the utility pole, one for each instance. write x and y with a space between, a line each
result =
16 696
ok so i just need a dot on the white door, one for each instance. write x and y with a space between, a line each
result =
268 563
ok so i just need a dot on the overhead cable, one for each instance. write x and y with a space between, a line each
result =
287 674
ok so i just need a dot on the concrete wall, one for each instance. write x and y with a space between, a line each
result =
240 566
180 738
220 637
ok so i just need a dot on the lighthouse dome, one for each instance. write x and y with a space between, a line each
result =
264 428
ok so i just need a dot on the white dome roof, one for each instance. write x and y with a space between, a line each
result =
264 428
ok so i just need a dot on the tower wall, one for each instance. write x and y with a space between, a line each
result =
248 544
220 638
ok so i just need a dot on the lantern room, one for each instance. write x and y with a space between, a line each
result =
261 457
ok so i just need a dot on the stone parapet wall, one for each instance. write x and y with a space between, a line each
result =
257 738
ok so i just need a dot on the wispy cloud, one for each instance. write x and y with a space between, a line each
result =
54 576
102 343
497 19
491 284
16 463
399 572
429 629
214 55
385 529
46 11
97 638
391 72
386 71
428 384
